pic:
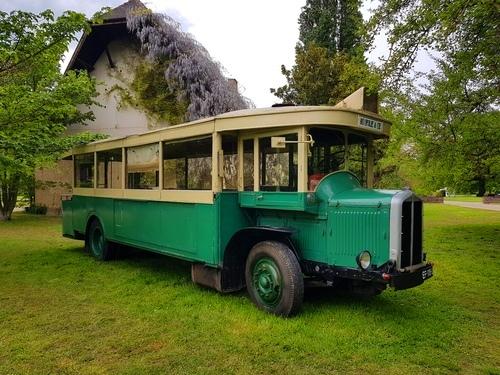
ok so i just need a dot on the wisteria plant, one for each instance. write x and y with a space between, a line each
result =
190 71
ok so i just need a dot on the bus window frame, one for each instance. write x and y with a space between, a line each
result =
207 196
110 191
255 136
182 140
222 155
177 195
94 172
205 129
156 188
369 150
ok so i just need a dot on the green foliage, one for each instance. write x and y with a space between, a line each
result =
310 80
37 102
461 30
445 133
151 91
144 308
446 142
36 209
316 78
28 39
154 93
329 62
331 24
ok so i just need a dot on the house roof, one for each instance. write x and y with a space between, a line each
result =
91 45
121 11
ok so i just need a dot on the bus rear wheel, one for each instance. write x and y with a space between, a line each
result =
274 279
96 242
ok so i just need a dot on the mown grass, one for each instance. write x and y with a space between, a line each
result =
464 198
63 312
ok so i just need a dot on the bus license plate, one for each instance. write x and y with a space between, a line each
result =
427 273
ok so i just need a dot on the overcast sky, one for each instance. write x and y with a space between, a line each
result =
251 39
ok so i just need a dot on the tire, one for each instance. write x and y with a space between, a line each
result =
96 243
274 278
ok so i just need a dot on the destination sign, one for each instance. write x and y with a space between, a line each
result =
369 123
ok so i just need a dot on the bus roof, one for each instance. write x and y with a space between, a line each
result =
261 119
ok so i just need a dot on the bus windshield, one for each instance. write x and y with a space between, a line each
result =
336 150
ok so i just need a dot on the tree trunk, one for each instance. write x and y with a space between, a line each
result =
9 188
481 187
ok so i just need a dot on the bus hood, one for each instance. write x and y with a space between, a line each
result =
343 188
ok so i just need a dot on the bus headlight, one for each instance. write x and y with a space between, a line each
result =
364 259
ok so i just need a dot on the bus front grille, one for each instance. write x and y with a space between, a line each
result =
411 233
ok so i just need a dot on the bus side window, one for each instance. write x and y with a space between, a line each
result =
248 176
109 169
230 151
187 165
327 155
278 166
142 167
84 170
358 147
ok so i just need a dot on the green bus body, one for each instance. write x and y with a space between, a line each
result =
331 226
191 231
201 232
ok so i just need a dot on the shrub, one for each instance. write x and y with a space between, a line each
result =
36 209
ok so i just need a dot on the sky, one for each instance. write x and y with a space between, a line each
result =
250 39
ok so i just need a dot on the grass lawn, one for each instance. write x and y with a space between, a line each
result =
63 312
464 198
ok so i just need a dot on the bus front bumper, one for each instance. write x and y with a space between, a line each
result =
397 279
406 280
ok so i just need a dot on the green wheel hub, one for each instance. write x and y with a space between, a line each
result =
266 280
97 242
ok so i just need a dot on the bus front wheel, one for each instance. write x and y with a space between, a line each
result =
96 243
274 279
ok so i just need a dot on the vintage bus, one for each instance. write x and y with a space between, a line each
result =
262 198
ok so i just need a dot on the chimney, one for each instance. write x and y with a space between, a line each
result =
233 83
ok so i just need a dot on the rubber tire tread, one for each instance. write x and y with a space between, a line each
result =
293 281
108 252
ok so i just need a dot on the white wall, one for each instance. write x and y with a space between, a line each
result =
116 118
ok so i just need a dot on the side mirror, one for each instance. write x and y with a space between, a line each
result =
278 142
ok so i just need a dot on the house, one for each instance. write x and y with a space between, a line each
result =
112 54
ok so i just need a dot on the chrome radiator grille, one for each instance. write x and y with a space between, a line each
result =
411 233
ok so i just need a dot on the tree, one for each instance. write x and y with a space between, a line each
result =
446 131
452 133
331 24
37 102
460 30
316 78
329 61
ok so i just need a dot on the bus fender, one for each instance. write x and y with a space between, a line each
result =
238 247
